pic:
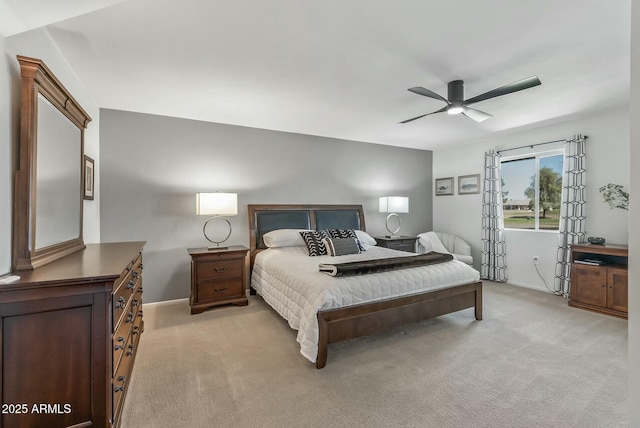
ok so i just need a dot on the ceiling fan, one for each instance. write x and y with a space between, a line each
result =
456 103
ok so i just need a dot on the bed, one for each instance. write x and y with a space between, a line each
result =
325 309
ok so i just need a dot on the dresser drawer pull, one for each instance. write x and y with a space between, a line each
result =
220 290
135 302
134 275
222 269
136 330
130 351
130 285
121 302
130 317
120 388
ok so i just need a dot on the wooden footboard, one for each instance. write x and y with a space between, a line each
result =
336 325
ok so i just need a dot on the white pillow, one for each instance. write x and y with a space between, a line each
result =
365 239
284 238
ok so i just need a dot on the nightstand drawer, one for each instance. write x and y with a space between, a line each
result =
401 243
219 269
216 290
404 246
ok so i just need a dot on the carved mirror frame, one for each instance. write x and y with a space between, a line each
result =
38 80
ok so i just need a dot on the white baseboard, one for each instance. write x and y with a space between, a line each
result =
529 286
165 302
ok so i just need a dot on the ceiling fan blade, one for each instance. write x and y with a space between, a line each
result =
427 93
506 89
418 117
477 115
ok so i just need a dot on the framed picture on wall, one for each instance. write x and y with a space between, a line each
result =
88 177
468 184
444 186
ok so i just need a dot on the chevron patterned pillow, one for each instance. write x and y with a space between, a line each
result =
313 239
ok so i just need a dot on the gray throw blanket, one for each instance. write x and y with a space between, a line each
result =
383 265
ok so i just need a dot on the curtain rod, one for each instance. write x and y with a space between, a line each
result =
564 140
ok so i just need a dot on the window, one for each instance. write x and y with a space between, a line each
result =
532 190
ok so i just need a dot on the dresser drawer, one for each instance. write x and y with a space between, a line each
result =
219 269
216 290
121 379
119 343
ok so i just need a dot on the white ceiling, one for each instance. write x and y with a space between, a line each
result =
341 68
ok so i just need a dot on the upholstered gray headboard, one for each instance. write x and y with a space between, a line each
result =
265 218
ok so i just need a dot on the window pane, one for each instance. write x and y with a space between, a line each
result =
518 195
550 183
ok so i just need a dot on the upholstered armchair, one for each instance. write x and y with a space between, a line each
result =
445 242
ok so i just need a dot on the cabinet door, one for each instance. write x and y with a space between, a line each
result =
588 284
53 359
617 289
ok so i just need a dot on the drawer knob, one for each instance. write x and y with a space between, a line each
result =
135 302
134 274
130 285
130 317
130 351
220 290
120 303
221 269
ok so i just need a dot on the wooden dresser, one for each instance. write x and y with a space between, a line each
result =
69 336
218 277
600 287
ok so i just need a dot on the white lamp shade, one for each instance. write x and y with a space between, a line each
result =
394 204
217 203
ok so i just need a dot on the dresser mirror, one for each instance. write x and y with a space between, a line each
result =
48 182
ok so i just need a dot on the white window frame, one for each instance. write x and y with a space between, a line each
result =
536 155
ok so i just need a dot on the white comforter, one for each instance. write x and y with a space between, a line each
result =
289 280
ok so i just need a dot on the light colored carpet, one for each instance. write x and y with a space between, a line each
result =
532 362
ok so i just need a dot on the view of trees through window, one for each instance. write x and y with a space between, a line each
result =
532 191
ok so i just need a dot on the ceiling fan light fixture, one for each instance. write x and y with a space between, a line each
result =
455 109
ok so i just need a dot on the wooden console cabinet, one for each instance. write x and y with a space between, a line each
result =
218 277
69 335
601 288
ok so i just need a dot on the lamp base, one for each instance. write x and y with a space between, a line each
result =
218 248
386 223
204 231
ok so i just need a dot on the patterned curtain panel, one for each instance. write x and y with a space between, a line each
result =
494 255
573 213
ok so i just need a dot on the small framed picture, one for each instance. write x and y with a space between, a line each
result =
88 177
444 186
468 184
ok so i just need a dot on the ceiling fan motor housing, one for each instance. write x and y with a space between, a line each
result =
455 92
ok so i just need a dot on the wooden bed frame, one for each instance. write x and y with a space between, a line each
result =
369 318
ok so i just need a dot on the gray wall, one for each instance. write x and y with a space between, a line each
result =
152 166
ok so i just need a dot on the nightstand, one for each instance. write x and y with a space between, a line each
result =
402 243
218 277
